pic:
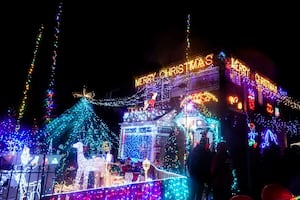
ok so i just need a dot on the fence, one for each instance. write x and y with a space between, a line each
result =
19 182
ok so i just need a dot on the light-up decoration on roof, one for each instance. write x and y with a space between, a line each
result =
199 98
149 103
84 93
194 65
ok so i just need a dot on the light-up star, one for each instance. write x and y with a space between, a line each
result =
88 95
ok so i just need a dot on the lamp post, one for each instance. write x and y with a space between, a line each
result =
146 166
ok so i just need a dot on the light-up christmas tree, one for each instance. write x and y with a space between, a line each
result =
173 159
79 123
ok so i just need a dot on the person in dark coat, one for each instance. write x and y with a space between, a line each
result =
198 165
221 171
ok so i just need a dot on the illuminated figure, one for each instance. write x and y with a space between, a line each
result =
85 166
150 102
27 190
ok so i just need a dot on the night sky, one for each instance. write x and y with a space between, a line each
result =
104 46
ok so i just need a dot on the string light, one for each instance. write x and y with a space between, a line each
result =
80 122
188 44
277 124
132 100
50 92
165 189
29 77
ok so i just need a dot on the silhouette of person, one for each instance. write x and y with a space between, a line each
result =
221 171
198 165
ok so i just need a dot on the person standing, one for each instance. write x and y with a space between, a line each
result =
198 166
221 172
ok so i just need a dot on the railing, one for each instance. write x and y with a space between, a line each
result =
161 185
26 183
18 183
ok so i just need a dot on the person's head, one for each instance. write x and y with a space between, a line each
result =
221 147
204 133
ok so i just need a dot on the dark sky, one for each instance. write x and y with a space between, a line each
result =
104 45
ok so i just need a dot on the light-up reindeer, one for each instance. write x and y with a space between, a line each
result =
87 165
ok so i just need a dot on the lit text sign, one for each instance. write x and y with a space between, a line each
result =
194 65
244 71
265 83
240 68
